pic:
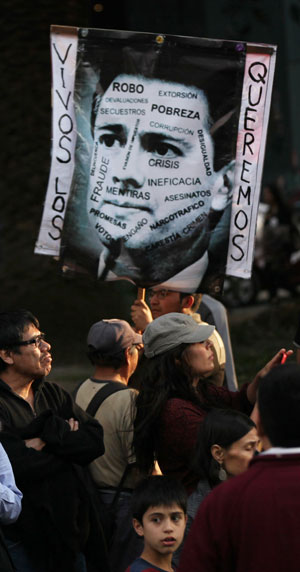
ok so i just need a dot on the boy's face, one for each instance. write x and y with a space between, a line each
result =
162 528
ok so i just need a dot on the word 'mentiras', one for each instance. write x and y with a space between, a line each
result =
247 178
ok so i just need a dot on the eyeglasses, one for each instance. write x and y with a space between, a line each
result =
161 294
36 341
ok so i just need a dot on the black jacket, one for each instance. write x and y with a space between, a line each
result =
59 515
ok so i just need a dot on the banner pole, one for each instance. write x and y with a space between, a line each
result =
141 294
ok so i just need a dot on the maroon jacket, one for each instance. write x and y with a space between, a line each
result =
251 523
178 431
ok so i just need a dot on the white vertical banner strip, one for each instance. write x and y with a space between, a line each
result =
63 54
253 124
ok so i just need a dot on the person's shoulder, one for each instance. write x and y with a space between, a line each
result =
240 487
266 477
181 408
122 402
86 381
52 388
119 404
86 386
141 565
197 497
5 394
203 488
124 395
274 461
178 402
4 386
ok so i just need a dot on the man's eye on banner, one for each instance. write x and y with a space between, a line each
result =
160 156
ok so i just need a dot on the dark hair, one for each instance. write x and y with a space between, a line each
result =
279 405
184 62
12 326
220 427
103 360
157 490
284 212
167 376
197 299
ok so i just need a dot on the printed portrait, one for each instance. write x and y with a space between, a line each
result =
155 158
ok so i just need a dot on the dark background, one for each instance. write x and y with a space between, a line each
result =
68 305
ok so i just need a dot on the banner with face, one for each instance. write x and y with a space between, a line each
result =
155 161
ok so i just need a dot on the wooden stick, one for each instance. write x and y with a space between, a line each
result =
141 293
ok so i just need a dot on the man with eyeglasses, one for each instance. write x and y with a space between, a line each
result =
163 300
113 350
49 441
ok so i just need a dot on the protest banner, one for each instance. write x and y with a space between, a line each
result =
170 139
63 55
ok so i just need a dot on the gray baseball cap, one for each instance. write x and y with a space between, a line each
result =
171 330
110 337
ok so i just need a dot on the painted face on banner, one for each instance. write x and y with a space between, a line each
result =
152 179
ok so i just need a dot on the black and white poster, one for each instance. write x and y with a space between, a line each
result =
158 145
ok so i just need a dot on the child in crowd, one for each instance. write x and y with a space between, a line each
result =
159 515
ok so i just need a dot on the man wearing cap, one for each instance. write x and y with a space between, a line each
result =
113 351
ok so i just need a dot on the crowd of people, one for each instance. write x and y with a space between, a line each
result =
276 257
127 474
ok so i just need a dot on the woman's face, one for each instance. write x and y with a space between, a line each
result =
199 358
237 457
